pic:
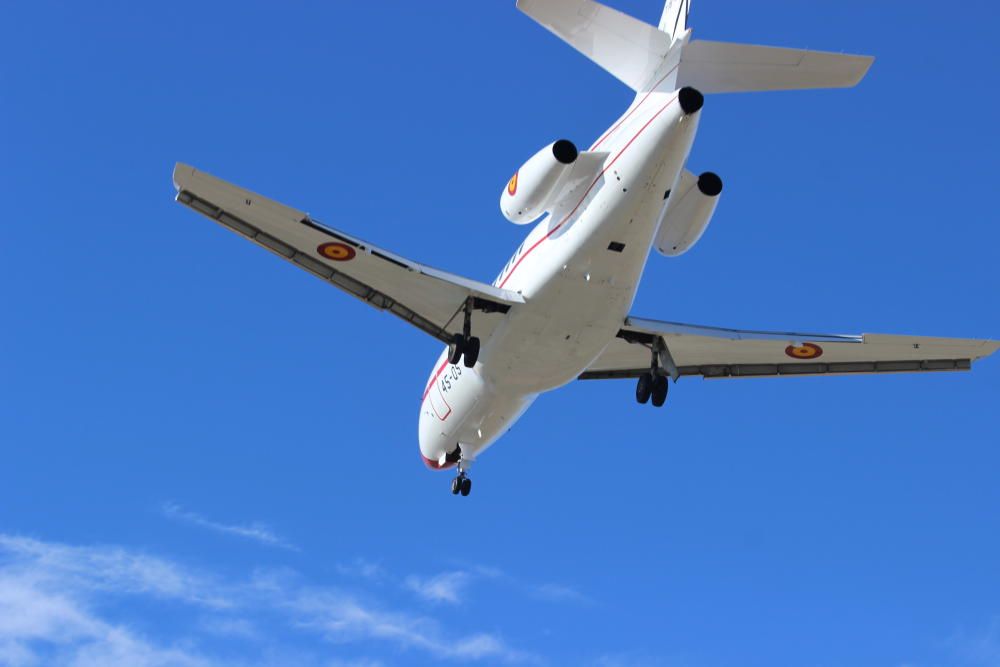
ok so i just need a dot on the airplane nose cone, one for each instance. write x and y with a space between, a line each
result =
691 100
434 465
434 444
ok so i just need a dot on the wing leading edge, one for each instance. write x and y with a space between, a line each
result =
714 352
429 299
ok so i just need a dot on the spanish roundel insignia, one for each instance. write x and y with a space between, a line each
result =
512 185
804 351
338 252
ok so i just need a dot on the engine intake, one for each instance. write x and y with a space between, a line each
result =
685 218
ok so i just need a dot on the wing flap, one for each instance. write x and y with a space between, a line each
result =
428 298
715 352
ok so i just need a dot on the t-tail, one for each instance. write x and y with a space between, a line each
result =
664 57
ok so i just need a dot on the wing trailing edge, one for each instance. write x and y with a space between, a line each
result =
428 298
717 352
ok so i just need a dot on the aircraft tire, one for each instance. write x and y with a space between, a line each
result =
466 486
471 354
644 387
456 349
456 485
660 387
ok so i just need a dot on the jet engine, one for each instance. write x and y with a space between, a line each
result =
685 218
532 188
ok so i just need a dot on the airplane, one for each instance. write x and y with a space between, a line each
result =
559 309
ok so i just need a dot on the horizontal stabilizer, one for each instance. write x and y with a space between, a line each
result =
721 67
626 47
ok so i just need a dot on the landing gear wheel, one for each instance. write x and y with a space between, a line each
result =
456 486
660 388
644 387
466 486
471 353
456 349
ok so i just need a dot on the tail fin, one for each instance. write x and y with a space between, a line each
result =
626 47
675 17
638 53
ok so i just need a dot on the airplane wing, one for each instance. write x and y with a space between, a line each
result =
427 298
714 352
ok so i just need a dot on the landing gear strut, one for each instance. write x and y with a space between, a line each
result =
464 346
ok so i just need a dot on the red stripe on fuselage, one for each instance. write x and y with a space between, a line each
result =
441 368
634 109
437 374
570 214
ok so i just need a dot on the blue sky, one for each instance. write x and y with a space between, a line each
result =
210 457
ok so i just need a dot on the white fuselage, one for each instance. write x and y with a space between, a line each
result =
577 291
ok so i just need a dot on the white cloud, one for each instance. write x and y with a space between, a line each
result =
345 619
51 597
256 531
361 567
981 647
444 587
633 659
560 593
40 624
363 662
108 569
448 587
227 626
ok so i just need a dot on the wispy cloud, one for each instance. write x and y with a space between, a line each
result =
361 567
363 662
49 593
444 587
559 593
225 626
978 647
40 624
345 619
256 531
632 659
109 569
450 586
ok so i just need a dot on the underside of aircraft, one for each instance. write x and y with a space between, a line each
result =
560 308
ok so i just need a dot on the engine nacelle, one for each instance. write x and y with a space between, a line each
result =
532 188
685 218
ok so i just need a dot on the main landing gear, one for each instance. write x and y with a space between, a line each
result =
656 382
464 347
461 484
652 386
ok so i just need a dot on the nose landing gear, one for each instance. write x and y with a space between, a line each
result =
461 483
